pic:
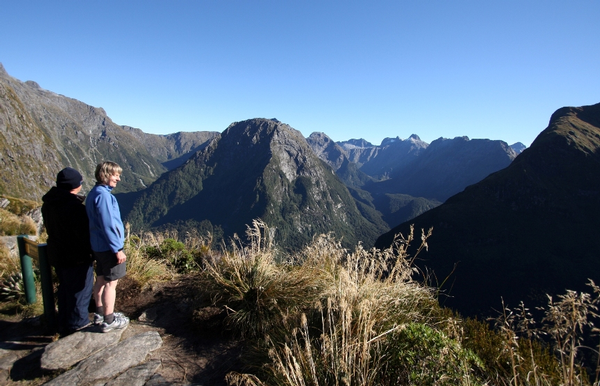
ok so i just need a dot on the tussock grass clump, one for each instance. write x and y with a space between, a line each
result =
260 295
12 224
329 316
19 206
374 326
556 349
156 256
13 218
140 267
8 264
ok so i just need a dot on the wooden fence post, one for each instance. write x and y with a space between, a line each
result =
26 270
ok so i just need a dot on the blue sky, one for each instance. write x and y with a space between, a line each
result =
351 69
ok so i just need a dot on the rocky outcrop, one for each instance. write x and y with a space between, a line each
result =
112 361
88 357
72 349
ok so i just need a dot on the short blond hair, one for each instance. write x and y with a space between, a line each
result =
105 170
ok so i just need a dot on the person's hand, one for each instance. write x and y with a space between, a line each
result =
121 257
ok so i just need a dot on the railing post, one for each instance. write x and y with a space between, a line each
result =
27 271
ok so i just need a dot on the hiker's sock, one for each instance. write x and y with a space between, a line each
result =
108 319
100 310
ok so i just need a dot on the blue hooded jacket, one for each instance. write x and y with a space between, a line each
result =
106 227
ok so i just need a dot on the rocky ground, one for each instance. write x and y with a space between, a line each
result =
195 348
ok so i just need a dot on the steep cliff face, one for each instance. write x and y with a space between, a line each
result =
258 168
524 231
41 132
380 161
27 154
328 150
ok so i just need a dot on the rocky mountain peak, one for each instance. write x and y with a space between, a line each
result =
33 84
355 143
327 150
518 147
388 141
258 168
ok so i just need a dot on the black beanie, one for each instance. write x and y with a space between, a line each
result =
68 179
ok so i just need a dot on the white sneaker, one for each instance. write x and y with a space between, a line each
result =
121 321
98 319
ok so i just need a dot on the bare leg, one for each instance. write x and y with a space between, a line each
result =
105 293
98 291
109 296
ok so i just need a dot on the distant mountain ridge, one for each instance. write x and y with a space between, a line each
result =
526 230
446 167
380 161
403 178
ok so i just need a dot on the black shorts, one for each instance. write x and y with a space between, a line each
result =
106 265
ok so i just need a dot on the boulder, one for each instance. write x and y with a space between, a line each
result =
72 349
111 361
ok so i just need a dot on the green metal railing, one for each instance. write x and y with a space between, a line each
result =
28 252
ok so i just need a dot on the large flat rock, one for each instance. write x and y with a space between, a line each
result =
72 349
106 364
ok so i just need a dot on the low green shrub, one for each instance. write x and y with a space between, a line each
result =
175 253
422 355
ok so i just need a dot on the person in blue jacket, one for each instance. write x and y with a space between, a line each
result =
107 237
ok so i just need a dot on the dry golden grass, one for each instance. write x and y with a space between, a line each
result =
330 316
12 224
344 327
8 263
20 206
141 268
565 329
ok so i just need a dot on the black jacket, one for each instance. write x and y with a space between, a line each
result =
68 230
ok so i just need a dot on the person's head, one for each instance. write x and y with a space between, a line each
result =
69 179
108 173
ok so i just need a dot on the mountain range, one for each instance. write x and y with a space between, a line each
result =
525 231
302 186
508 222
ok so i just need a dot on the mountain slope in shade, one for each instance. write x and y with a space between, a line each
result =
418 176
258 168
446 167
524 231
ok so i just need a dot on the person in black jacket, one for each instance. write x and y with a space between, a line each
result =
69 250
